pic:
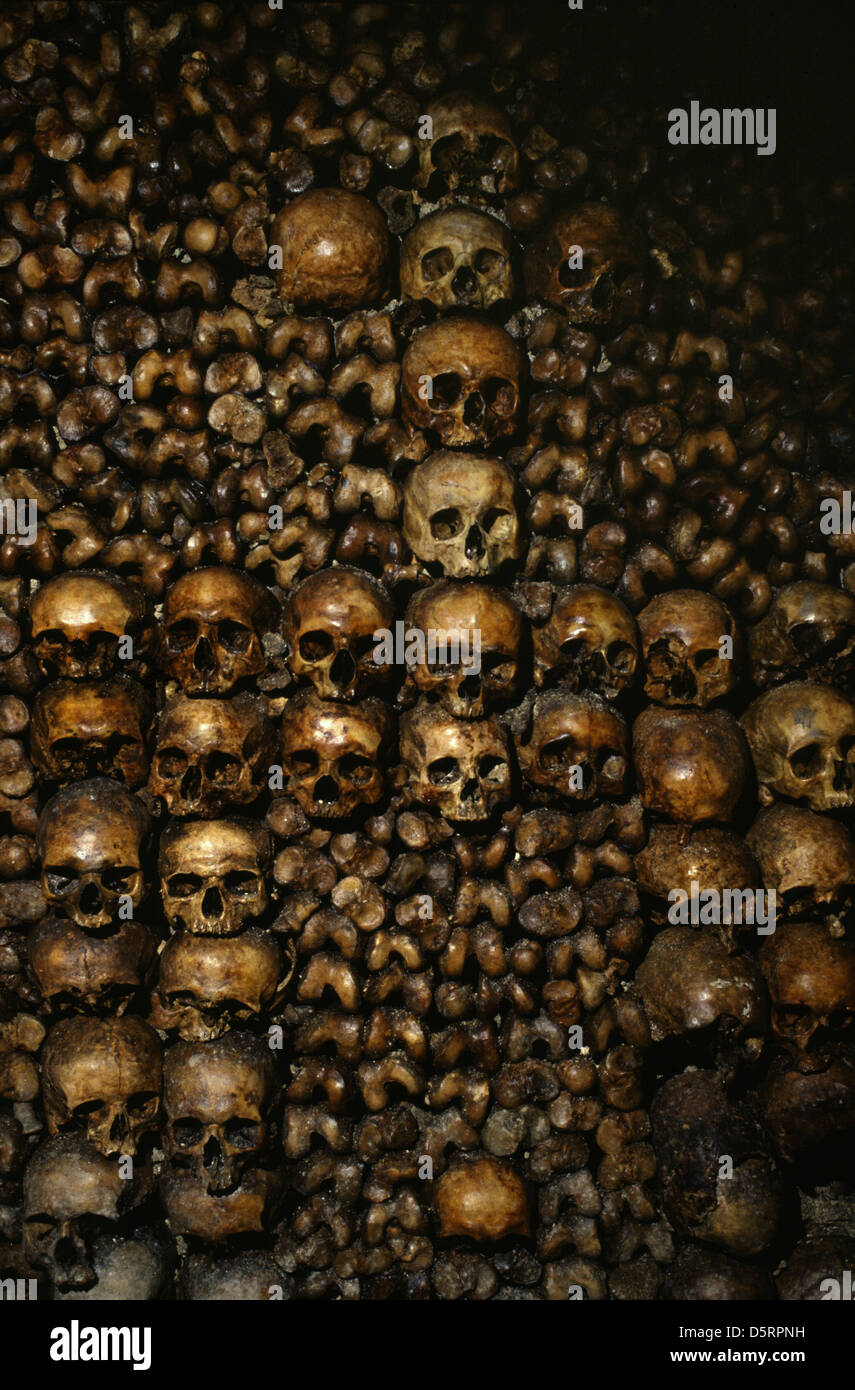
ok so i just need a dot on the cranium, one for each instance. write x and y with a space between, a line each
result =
91 840
83 729
589 643
610 251
575 745
470 148
79 972
458 258
335 251
689 981
460 379
77 619
811 979
808 630
209 984
250 1209
101 1077
333 755
460 514
709 858
329 624
808 859
461 768
472 640
483 1198
212 754
682 636
213 623
212 875
691 765
802 738
218 1097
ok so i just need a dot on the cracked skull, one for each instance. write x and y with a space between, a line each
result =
333 755
71 1193
83 729
460 768
212 875
682 636
213 623
77 620
212 754
209 984
101 1077
460 379
589 643
802 738
580 261
329 624
91 840
458 258
575 745
460 514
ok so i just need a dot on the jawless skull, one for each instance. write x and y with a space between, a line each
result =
809 630
575 745
802 738
811 979
209 984
102 1078
212 629
469 658
691 765
334 755
91 839
212 875
83 729
329 624
610 252
590 642
460 768
691 648
460 514
469 148
458 258
808 859
81 973
461 379
77 621
212 754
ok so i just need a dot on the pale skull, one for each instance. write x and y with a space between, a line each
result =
329 623
460 768
471 639
589 643
460 514
212 875
575 745
212 754
333 755
91 840
461 380
802 739
458 258
102 1077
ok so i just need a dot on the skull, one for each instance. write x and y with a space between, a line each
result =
589 643
82 729
575 745
76 621
212 875
808 630
333 755
213 623
470 148
681 638
329 624
802 738
811 1117
811 979
610 249
218 1096
689 981
808 859
71 1192
461 768
212 754
713 859
335 251
192 1210
483 1198
91 840
134 1268
78 972
460 379
691 765
101 1077
460 514
458 258
246 1276
465 678
209 984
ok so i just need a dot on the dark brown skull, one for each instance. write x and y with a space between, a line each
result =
681 638
83 729
91 839
102 1078
589 643
809 630
711 858
811 979
808 859
213 623
212 754
335 251
329 624
470 149
209 984
76 621
333 755
610 253
575 745
690 765
689 981
79 972
461 379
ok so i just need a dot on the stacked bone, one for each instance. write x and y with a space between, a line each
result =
325 976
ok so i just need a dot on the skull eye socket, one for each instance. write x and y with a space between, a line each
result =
620 656
243 1134
437 263
140 1103
496 519
446 524
358 771
119 879
183 885
304 761
573 277
87 1110
489 262
443 771
445 390
492 769
60 878
558 754
180 636
235 637
500 395
187 1133
498 666
171 762
240 884
708 657
222 769
807 762
795 1018
314 646
806 638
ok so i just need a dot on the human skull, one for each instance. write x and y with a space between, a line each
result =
209 984
811 979
691 765
82 729
71 1192
460 768
134 1268
77 972
329 624
682 636
458 258
589 643
192 1210
461 379
212 754
689 981
470 148
575 745
212 875
213 623
333 755
91 840
218 1096
808 859
335 251
101 1077
77 619
802 738
483 1198
460 514
809 630
472 645
611 251
709 858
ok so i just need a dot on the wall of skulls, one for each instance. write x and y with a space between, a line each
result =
355 979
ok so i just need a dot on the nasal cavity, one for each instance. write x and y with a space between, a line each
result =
470 789
343 669
474 543
465 283
212 903
65 1251
211 1154
325 790
473 411
191 784
90 898
470 688
203 657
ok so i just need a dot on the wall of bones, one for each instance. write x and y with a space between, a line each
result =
426 654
